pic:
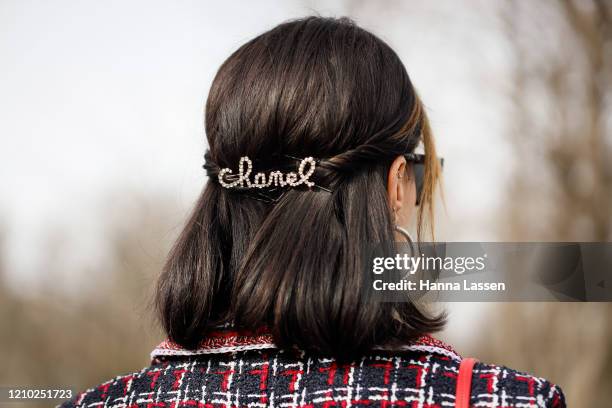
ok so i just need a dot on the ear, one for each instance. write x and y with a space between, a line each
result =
396 190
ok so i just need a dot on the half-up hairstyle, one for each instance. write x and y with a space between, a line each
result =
319 87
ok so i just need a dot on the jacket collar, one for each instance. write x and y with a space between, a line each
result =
232 340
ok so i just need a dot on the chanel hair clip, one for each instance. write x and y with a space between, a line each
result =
275 178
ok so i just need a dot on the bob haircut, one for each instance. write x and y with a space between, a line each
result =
320 87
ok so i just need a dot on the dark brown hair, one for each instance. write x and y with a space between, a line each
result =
319 87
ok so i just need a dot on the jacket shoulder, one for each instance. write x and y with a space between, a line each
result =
118 389
502 386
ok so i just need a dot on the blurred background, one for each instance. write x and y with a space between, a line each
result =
101 120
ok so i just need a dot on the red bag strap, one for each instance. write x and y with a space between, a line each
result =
464 383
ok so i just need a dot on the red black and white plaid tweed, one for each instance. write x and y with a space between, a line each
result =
239 369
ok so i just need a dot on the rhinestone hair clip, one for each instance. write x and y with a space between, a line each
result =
274 178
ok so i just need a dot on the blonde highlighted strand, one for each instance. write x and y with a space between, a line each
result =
432 180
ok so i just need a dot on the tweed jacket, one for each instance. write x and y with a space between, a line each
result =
241 369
